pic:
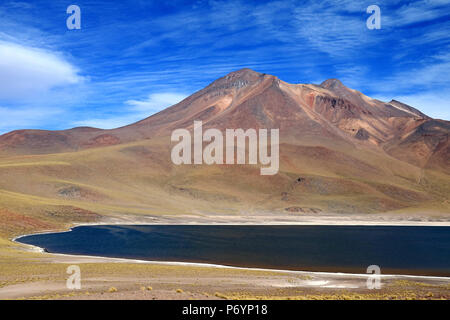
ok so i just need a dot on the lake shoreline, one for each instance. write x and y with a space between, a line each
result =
103 259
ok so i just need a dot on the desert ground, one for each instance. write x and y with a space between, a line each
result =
28 273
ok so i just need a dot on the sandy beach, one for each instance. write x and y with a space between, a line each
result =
264 218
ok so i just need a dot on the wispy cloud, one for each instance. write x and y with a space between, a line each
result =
134 110
417 12
156 102
110 122
26 72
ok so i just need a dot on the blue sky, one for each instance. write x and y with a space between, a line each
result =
131 59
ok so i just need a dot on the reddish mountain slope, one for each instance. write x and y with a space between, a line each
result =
325 114
340 152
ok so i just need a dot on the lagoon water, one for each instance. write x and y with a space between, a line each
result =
396 249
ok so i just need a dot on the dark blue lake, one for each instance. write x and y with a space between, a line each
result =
399 249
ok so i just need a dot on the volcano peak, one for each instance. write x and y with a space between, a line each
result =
332 83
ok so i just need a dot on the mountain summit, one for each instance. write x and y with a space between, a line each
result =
332 84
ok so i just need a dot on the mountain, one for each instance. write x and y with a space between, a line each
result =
247 99
340 151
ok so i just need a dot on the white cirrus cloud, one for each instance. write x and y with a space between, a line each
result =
27 72
156 102
137 110
108 122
